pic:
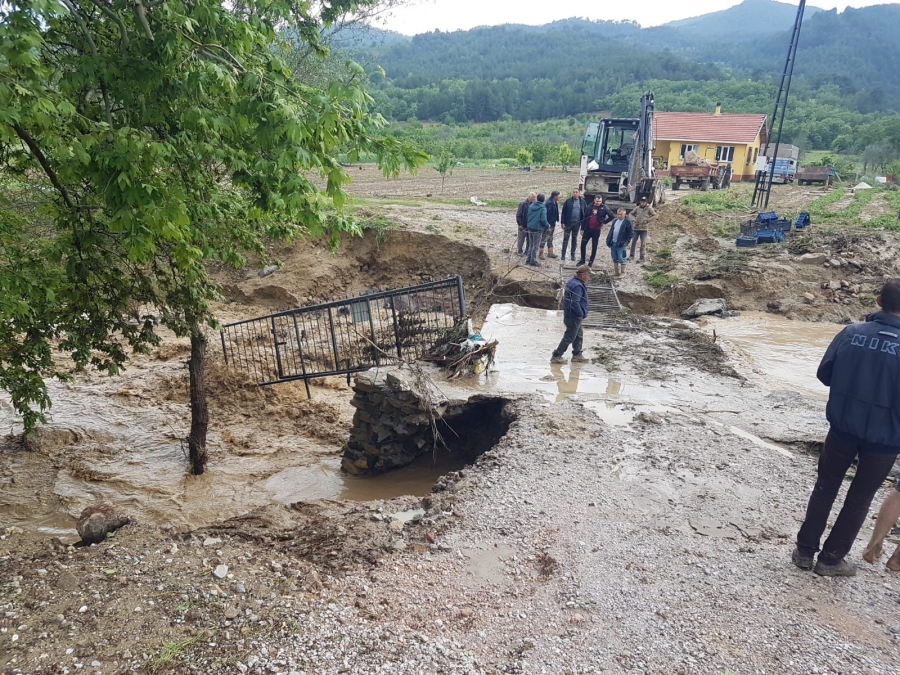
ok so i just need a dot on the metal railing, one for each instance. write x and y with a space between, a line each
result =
344 336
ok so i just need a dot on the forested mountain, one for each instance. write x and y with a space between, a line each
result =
750 18
845 76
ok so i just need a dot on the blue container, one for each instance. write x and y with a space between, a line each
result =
783 225
769 236
766 217
746 242
749 228
802 221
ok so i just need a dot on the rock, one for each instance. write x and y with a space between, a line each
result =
773 306
430 537
220 572
47 439
395 525
834 262
99 520
212 541
232 612
682 325
649 418
845 283
704 307
408 516
267 271
809 297
240 588
812 259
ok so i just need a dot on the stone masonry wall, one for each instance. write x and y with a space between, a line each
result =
392 423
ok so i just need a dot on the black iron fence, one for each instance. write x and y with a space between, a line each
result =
344 336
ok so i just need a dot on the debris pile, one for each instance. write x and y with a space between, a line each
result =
461 353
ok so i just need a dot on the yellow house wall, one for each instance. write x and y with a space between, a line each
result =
667 154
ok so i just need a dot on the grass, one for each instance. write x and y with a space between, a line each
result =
170 651
716 201
660 279
821 214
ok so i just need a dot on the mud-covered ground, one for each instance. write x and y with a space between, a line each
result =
637 517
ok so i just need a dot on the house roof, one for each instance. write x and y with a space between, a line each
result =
707 127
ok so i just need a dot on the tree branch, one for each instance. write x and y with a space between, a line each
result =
115 18
141 15
84 29
45 164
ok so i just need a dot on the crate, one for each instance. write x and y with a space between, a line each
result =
766 218
746 241
768 236
782 225
802 221
749 228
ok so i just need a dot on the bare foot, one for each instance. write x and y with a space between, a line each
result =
873 552
893 563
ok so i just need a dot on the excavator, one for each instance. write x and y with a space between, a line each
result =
617 160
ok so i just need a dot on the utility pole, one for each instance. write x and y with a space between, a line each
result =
763 185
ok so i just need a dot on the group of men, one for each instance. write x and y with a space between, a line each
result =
537 219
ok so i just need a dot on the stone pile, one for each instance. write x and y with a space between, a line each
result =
393 423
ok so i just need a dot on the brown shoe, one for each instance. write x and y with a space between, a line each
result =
541 255
550 253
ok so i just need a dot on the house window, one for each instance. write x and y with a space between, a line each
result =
749 155
725 153
755 154
686 148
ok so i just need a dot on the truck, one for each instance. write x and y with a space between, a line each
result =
785 170
703 176
617 159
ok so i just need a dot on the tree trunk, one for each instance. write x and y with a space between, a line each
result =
199 411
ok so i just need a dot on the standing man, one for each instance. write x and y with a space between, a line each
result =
522 222
617 239
641 216
592 226
537 225
862 368
553 219
573 213
575 309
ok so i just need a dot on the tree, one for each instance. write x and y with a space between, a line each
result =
566 156
444 166
524 157
159 139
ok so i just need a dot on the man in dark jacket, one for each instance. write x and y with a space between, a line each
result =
862 368
552 218
575 309
592 225
619 235
537 224
522 222
574 211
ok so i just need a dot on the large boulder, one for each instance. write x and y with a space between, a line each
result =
703 307
98 520
812 258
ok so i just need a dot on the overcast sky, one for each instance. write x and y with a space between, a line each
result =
426 15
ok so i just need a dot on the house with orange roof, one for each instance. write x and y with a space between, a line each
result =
730 138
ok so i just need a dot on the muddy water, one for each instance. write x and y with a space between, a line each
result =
126 450
782 353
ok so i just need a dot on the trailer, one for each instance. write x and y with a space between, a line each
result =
703 176
816 174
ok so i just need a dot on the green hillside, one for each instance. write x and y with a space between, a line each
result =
844 81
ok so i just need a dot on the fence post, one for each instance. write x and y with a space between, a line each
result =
396 327
224 350
462 296
337 363
277 351
302 359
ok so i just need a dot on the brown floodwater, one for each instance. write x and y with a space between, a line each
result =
127 430
780 352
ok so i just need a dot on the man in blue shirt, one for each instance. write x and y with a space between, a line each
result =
862 368
575 309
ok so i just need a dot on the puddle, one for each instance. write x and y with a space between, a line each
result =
779 349
526 338
325 480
